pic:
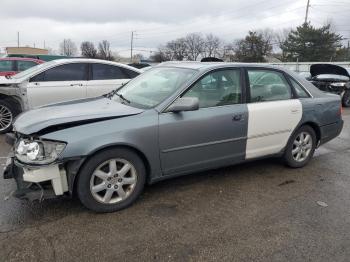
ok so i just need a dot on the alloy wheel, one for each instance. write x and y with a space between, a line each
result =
302 147
113 181
5 118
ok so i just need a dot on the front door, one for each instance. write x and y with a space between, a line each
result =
214 135
61 83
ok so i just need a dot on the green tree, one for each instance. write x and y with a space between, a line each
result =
253 48
308 43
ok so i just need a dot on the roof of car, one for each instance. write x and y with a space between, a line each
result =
21 59
210 65
90 60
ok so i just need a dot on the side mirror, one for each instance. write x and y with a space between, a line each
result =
184 104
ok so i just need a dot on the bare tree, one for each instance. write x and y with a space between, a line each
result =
88 49
104 50
158 56
68 48
212 45
177 48
281 37
195 45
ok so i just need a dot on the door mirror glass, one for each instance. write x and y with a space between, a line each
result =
184 104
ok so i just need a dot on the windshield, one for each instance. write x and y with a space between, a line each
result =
154 86
32 70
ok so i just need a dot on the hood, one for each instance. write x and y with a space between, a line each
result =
328 69
69 114
8 81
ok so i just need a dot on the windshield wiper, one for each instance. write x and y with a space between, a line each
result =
115 92
123 98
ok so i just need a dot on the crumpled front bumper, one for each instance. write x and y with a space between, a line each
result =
36 183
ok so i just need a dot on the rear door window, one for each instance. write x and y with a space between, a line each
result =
268 85
106 72
6 65
301 93
24 65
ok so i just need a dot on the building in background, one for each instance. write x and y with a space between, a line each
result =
25 51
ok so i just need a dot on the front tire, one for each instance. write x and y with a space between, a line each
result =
7 114
346 99
301 147
111 180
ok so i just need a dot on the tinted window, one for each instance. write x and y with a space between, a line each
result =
69 72
301 93
218 88
268 85
6 65
24 65
103 72
130 73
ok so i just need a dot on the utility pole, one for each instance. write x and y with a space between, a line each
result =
307 11
131 45
17 39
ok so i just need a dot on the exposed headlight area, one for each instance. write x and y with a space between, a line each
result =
38 151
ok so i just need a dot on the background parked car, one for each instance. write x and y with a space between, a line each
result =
332 78
57 81
13 65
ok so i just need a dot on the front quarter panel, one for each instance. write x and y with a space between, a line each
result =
139 132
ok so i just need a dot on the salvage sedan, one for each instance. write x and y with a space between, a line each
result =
175 119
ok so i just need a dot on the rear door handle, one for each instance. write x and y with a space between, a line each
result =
294 111
237 117
76 84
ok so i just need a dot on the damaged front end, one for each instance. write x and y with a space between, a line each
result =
35 180
39 161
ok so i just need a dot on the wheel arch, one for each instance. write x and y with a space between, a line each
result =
315 127
78 165
13 99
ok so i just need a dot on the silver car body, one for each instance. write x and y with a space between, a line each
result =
173 144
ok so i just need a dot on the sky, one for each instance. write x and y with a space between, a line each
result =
48 22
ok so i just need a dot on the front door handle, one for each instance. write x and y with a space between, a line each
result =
237 117
76 84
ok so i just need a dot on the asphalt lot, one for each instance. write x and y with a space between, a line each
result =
260 211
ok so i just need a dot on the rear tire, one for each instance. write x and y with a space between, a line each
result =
111 180
8 112
301 147
346 99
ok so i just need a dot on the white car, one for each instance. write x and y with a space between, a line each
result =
58 81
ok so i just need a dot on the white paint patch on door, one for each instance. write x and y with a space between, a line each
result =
270 125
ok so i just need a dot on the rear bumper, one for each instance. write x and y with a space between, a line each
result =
328 132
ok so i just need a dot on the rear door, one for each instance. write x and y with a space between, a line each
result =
105 78
274 113
61 83
214 135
